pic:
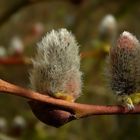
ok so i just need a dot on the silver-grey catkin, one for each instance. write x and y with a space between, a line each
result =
124 65
56 65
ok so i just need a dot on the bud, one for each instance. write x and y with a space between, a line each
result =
124 67
56 65
16 47
19 122
18 126
3 52
3 125
108 28
37 29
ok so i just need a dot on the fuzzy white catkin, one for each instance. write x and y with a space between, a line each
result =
56 65
124 65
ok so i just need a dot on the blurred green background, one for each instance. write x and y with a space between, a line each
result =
23 23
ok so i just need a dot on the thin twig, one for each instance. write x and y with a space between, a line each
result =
27 61
15 61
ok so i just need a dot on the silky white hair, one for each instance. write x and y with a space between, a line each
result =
56 65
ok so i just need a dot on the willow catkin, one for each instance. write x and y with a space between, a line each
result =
124 65
56 65
108 28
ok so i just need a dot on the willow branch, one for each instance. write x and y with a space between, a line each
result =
56 112
80 110
27 61
15 61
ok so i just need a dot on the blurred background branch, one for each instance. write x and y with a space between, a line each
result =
19 5
27 61
15 61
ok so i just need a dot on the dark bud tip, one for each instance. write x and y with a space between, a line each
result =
50 115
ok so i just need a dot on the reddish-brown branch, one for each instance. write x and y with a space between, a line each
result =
14 60
82 109
76 109
27 61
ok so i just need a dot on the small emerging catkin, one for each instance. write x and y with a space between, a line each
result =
124 65
56 65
